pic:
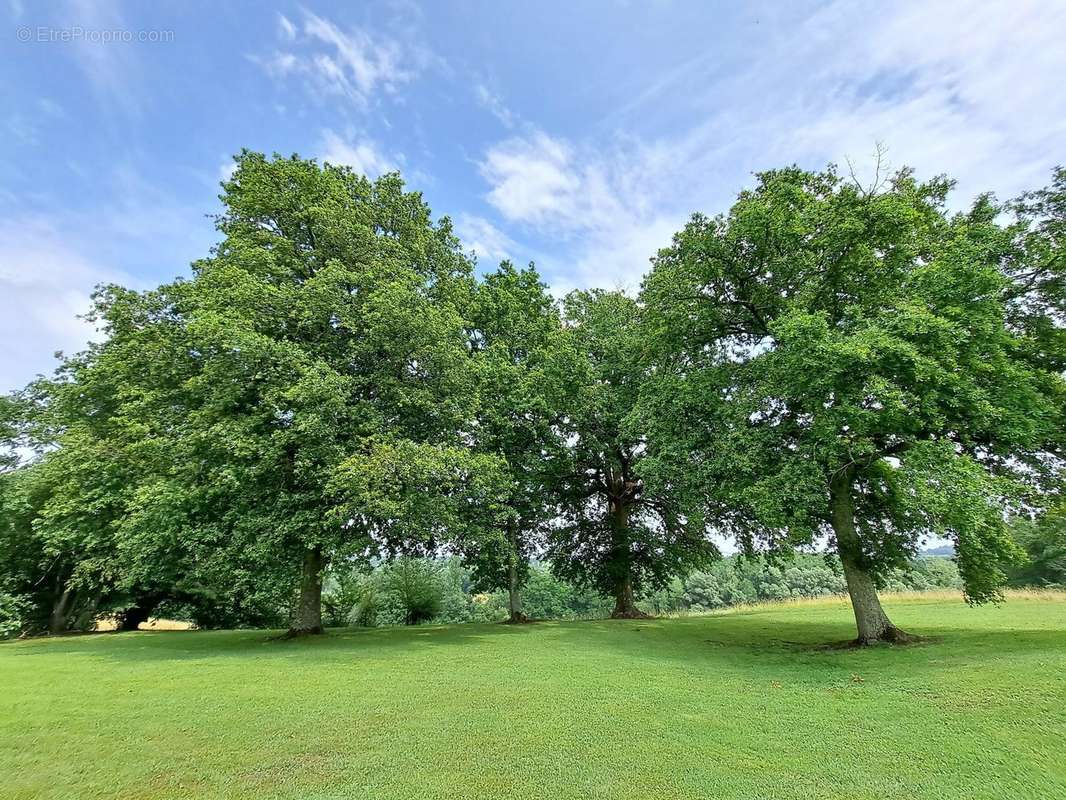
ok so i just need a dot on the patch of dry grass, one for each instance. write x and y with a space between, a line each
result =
108 624
841 601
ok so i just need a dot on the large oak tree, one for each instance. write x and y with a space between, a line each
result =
328 319
616 532
836 363
528 371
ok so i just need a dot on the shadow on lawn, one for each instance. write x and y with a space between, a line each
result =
193 645
726 641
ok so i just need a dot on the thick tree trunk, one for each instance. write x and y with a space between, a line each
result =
625 606
514 596
58 620
871 620
308 617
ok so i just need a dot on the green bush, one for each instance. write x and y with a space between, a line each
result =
738 580
13 611
1044 543
412 591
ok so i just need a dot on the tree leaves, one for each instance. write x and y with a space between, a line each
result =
819 327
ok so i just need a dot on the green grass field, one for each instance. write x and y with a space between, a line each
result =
745 704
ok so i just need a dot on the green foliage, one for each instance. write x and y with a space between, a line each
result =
1037 271
412 591
329 328
827 335
204 438
445 591
56 557
370 599
617 535
411 494
364 614
14 610
333 388
415 586
528 371
1044 542
741 580
344 587
547 597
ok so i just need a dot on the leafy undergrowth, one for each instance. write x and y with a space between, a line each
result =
745 704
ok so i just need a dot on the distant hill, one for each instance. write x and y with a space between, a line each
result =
943 550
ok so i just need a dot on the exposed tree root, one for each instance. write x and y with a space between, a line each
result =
297 633
629 613
891 635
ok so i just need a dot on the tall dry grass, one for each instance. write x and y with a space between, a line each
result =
842 600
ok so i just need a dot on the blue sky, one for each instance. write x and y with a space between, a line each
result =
578 135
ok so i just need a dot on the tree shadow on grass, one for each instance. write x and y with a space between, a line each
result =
730 641
193 645
809 644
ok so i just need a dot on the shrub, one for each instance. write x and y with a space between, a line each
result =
413 585
13 611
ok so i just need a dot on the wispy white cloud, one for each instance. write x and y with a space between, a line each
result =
286 28
226 169
335 61
971 90
534 180
45 283
110 67
610 204
50 261
50 107
21 129
487 242
361 154
495 105
967 88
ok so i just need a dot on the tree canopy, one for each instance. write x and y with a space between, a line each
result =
827 365
836 363
528 373
616 532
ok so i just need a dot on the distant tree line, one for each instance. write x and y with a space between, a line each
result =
417 590
446 592
336 393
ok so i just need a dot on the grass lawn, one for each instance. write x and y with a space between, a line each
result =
739 705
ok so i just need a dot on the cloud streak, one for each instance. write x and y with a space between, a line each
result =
970 90
363 155
333 61
45 284
489 244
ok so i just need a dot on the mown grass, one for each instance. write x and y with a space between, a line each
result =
746 704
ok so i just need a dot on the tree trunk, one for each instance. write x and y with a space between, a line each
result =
57 621
308 618
871 620
625 606
514 596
